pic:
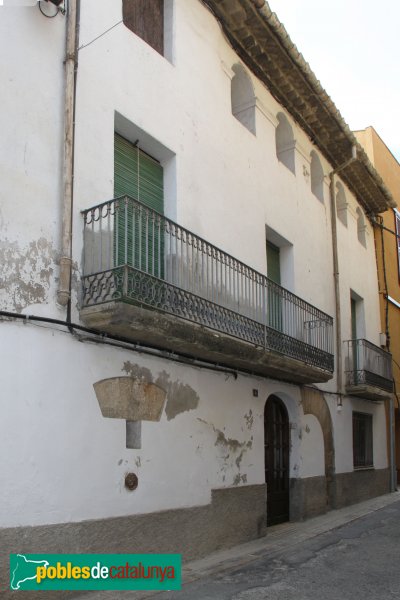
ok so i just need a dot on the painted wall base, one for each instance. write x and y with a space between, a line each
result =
235 515
357 486
308 498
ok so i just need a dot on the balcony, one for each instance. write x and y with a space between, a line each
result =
368 370
154 282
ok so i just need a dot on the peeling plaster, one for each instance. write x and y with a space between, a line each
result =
249 418
239 479
26 272
180 396
229 448
138 372
231 444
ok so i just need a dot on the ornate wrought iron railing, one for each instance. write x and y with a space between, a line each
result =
134 254
367 364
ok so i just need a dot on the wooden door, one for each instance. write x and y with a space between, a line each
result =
276 431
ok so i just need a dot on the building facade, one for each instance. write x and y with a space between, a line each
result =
190 309
387 227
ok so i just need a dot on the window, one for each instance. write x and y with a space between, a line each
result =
362 440
317 177
357 316
274 298
138 241
361 227
285 142
273 263
242 98
145 18
341 204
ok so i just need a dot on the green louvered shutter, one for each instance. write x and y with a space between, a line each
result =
274 299
139 240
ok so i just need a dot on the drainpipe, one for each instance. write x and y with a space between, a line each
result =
339 374
64 286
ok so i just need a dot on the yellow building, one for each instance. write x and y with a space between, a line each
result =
387 241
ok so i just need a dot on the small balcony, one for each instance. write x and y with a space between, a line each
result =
154 282
368 370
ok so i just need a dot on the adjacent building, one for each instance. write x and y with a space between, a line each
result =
387 232
190 320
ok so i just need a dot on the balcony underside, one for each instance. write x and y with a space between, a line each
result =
145 325
369 386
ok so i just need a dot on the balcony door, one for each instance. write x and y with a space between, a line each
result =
357 333
276 447
274 307
138 239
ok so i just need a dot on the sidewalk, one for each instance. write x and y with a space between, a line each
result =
278 539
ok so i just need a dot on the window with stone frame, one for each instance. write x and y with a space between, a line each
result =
362 440
145 18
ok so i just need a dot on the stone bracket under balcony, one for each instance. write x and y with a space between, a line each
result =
147 326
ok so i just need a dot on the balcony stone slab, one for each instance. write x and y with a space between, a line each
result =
368 392
174 334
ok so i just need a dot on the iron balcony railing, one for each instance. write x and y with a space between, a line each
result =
367 364
134 254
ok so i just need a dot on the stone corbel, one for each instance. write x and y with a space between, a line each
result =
130 399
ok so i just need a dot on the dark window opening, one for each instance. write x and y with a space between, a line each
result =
145 18
362 440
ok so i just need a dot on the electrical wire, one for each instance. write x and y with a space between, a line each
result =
121 342
100 35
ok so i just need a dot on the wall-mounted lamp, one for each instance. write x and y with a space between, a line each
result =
59 7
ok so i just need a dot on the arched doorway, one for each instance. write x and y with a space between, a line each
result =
276 447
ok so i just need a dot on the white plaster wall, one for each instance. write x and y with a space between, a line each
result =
31 67
343 433
357 267
229 182
225 184
65 462
312 458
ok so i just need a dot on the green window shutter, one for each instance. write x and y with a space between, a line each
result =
274 298
273 263
126 172
151 191
353 306
138 237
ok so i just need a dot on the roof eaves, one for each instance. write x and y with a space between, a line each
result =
306 96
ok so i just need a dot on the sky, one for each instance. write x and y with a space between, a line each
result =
353 47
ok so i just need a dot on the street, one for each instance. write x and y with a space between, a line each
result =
359 560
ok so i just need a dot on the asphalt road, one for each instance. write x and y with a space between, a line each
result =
357 561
